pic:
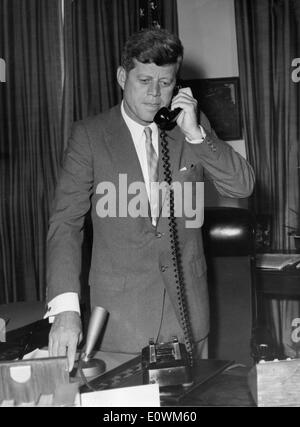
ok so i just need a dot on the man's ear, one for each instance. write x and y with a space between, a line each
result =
121 76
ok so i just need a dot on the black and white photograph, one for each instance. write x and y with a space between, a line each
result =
149 206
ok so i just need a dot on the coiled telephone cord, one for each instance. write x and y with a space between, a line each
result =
176 256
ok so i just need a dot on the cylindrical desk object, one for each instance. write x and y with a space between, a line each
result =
93 367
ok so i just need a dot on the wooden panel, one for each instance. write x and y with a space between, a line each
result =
276 383
25 381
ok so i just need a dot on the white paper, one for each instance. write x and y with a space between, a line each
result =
36 354
276 261
138 396
2 330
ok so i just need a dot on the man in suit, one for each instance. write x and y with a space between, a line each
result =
132 266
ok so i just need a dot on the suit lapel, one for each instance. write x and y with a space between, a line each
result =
124 156
122 148
123 152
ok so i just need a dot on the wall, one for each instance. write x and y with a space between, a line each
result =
208 33
207 30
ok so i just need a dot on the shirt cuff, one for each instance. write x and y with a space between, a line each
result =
68 301
197 141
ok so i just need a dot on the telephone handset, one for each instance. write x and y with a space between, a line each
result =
166 118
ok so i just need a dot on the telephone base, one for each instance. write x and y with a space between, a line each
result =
166 377
166 364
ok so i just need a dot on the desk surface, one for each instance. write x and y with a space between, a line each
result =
19 314
279 282
228 388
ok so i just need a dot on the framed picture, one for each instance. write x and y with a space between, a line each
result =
219 99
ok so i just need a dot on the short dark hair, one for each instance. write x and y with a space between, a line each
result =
157 46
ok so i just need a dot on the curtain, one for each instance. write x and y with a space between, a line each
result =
30 141
268 38
61 60
100 29
158 13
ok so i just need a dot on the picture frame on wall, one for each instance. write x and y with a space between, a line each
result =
219 99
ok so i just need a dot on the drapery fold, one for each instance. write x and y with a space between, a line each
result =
100 29
61 60
30 141
268 38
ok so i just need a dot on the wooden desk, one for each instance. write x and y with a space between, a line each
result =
213 386
275 285
229 389
20 314
281 283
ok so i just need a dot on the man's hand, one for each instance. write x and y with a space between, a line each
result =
187 119
65 335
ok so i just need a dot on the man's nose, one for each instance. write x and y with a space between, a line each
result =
154 89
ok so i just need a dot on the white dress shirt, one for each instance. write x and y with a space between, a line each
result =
139 138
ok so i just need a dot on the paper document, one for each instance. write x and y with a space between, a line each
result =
138 396
36 354
2 330
276 261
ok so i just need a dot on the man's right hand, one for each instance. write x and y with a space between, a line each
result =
65 335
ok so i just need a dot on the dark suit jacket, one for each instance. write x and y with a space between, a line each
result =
132 260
